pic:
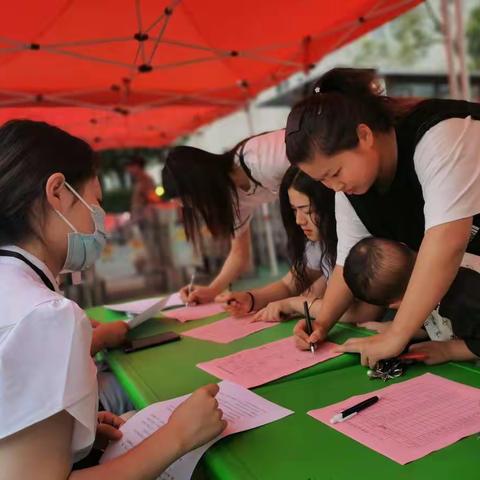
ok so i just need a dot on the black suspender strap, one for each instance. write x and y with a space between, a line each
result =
241 159
19 256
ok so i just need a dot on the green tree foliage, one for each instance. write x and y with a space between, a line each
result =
473 37
404 41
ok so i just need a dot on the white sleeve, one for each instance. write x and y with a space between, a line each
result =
47 368
350 228
447 162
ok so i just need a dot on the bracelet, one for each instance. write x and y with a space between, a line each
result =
252 302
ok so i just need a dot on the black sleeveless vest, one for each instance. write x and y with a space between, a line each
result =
398 213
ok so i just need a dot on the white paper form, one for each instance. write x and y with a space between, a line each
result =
138 306
241 408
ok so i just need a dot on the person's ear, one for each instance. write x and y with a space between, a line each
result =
366 138
55 192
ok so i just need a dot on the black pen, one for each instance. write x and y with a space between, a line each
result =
352 411
309 324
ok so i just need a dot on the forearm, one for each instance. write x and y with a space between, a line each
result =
237 262
272 292
144 462
361 312
97 341
336 301
295 304
459 352
437 264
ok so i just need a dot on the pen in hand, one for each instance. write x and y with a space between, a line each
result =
308 320
190 285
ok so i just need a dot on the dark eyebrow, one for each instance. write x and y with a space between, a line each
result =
325 175
300 206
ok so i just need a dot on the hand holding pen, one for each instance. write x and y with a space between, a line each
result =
309 324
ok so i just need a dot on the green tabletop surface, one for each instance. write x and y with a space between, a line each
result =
169 370
302 448
297 447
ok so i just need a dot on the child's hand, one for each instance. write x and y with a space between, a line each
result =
197 420
108 425
303 340
436 352
237 304
273 312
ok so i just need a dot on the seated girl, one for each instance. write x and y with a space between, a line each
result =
307 209
51 221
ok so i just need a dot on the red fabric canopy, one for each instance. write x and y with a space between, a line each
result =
140 73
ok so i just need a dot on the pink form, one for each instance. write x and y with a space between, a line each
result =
228 329
264 364
186 314
411 419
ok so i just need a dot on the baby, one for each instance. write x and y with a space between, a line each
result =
377 271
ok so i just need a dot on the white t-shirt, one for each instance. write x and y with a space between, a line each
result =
266 158
313 253
447 163
45 362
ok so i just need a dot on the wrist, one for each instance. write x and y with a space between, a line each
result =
98 339
323 327
287 306
216 289
401 335
175 439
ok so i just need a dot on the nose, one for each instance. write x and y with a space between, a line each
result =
334 185
299 217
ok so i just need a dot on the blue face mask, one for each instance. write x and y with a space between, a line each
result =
84 248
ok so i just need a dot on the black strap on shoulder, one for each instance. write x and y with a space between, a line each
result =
19 256
241 159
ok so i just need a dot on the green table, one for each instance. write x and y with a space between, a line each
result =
167 371
299 447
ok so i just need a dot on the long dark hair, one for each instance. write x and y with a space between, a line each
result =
327 121
202 181
30 152
322 203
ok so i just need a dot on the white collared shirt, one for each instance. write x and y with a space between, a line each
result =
45 362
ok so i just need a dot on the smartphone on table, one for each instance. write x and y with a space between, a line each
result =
154 340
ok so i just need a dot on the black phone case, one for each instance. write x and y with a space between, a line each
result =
152 341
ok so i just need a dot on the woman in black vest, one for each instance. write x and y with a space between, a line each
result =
405 171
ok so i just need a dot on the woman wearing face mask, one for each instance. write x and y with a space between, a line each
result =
406 172
312 244
51 221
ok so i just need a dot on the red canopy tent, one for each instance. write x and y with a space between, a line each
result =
142 72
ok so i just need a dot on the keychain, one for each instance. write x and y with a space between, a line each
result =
394 367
